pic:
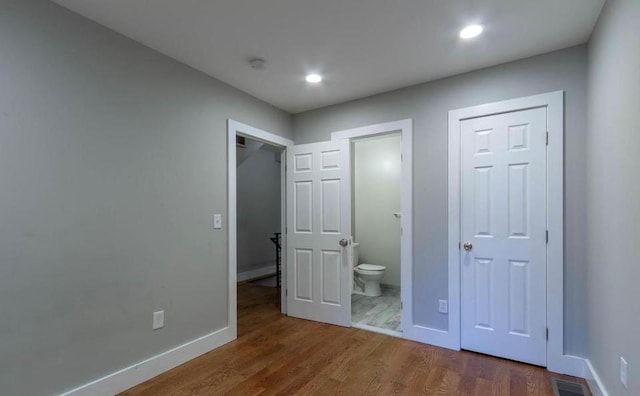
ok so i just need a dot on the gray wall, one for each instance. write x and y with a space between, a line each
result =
613 195
428 105
112 161
258 186
376 197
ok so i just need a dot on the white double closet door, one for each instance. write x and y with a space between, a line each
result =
503 226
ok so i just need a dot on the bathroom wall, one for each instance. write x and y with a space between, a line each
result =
428 105
376 197
258 197
112 162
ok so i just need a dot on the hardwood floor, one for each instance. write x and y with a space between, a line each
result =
279 355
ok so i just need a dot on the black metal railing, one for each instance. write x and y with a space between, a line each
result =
277 239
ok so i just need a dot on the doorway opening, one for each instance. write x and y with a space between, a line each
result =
381 228
258 223
376 166
256 207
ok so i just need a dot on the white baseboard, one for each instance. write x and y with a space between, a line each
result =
136 374
374 329
566 364
427 335
256 273
593 380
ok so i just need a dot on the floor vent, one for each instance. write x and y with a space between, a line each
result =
568 388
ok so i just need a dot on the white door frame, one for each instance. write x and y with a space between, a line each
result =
557 361
237 128
405 127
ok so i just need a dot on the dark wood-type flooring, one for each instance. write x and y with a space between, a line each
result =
278 355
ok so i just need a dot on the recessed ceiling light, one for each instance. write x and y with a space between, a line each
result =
471 31
313 78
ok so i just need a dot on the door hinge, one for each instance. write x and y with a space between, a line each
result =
401 305
547 138
286 292
547 334
547 236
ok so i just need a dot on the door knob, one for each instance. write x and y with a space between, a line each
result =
344 242
467 246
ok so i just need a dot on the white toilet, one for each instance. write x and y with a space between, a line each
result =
366 276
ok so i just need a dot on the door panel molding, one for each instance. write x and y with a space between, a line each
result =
318 219
503 216
557 361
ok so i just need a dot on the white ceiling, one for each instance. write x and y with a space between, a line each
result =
362 47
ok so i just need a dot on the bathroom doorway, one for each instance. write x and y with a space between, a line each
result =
381 214
376 165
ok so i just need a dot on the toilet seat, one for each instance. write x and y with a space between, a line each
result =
371 267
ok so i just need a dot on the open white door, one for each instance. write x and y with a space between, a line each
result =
503 224
318 232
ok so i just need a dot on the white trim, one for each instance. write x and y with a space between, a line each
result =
429 336
135 374
596 386
257 134
283 235
237 128
376 129
380 330
567 364
257 273
453 215
405 127
557 361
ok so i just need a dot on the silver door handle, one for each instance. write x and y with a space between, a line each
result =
467 246
344 242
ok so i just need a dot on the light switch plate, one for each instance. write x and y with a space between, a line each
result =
443 306
217 221
158 320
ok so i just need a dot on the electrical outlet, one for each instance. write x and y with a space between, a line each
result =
623 372
443 306
158 320
217 221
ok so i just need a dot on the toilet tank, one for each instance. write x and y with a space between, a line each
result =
355 254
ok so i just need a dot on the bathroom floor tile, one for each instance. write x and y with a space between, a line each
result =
382 311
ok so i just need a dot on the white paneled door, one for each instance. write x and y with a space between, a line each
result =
503 225
318 231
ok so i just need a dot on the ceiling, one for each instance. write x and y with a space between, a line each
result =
361 47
